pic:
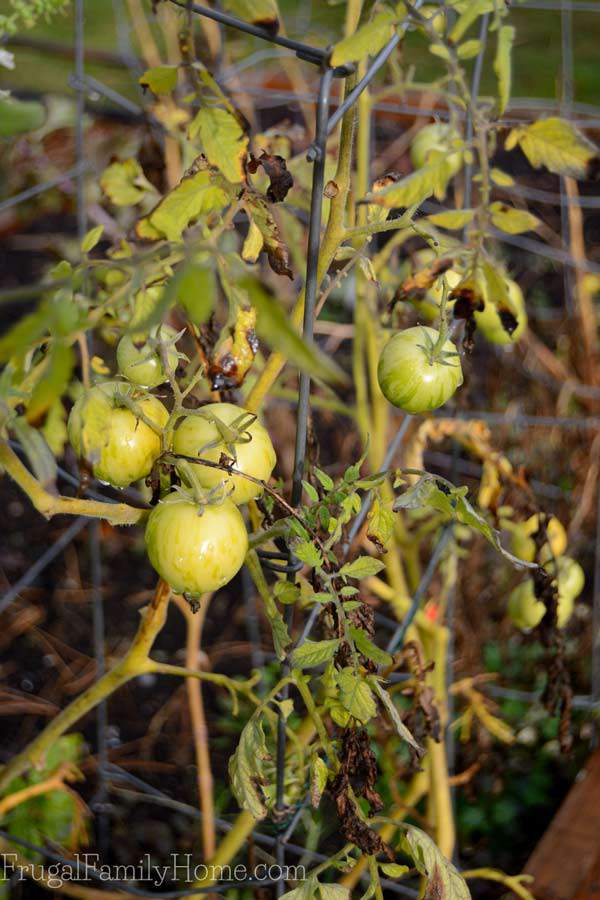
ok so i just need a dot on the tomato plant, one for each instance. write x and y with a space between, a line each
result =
231 340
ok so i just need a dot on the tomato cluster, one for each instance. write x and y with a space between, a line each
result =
195 536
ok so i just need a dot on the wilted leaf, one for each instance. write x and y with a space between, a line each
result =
263 13
199 192
556 144
160 79
444 881
418 283
394 715
274 328
381 524
124 183
151 304
246 769
511 220
259 213
334 892
362 567
234 353
223 141
280 180
20 116
502 64
314 653
366 41
253 243
425 494
318 780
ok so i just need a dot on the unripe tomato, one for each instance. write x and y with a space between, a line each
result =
196 549
571 577
199 436
119 447
524 546
409 378
141 363
490 325
436 138
527 611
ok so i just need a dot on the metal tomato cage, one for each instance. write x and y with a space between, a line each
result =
112 777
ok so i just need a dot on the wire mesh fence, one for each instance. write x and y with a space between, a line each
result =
89 91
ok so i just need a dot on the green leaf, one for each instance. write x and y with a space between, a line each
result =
393 870
38 453
54 382
366 41
160 79
286 592
311 491
314 653
223 140
394 715
20 116
511 220
502 64
263 13
125 184
368 648
274 328
444 881
468 515
92 238
151 304
556 144
196 290
325 480
306 891
355 695
425 494
246 768
362 567
196 194
308 553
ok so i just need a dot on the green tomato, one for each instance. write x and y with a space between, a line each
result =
141 363
436 138
118 447
490 325
526 611
407 376
199 436
196 549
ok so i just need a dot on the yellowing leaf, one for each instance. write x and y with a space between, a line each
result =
418 186
453 220
368 40
472 9
502 64
197 193
91 238
469 49
160 79
314 653
556 144
502 179
511 220
124 183
246 768
263 13
253 243
223 140
444 881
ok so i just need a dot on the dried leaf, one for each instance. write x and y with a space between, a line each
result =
259 213
275 167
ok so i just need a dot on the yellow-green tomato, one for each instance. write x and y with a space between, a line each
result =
436 138
408 375
140 362
524 546
196 549
118 446
526 611
201 436
571 577
490 325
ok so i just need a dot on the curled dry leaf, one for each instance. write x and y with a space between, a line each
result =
234 354
281 181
